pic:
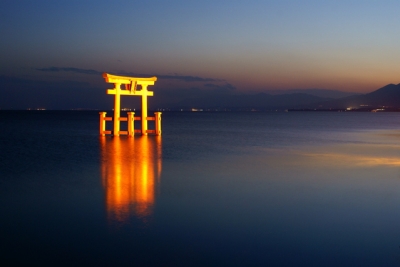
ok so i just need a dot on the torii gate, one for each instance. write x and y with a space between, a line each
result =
131 84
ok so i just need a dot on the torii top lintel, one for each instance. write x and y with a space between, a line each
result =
128 80
130 85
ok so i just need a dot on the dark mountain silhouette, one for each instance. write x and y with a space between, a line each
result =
324 93
260 101
387 96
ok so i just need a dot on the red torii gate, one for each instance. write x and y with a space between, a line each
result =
131 84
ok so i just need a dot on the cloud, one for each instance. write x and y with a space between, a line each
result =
21 93
75 70
185 78
223 88
188 78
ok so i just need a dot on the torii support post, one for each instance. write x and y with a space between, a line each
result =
157 116
144 109
131 123
117 108
102 123
103 120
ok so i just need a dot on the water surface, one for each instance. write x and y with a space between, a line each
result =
233 189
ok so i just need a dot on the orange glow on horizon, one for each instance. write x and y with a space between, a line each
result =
130 171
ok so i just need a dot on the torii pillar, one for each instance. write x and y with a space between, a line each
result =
130 89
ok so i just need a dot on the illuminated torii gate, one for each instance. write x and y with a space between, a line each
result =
131 84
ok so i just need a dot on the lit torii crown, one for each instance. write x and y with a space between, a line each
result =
131 85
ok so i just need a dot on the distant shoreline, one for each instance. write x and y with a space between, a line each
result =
349 110
223 110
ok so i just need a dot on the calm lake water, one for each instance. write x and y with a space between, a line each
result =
216 189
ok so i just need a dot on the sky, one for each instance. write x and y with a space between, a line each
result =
53 53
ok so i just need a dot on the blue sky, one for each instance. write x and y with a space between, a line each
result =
61 46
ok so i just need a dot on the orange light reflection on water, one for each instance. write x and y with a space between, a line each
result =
130 170
364 155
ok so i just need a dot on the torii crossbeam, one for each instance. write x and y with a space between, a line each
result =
131 84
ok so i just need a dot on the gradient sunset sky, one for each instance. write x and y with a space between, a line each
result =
54 52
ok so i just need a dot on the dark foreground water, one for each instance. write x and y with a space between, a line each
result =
216 189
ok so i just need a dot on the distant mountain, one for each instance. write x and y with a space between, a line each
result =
260 101
387 96
325 93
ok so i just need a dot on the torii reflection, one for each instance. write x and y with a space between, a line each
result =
130 170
